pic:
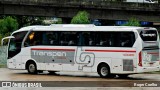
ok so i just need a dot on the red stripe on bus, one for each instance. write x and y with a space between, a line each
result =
52 49
153 53
110 50
140 59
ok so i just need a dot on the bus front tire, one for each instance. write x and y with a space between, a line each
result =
31 67
104 71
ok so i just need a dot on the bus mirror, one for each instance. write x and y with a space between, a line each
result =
9 37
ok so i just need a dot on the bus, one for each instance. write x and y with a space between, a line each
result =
106 50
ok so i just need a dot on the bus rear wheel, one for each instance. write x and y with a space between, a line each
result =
104 71
31 67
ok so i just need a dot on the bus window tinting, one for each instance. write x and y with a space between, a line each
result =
127 39
108 39
69 38
34 38
65 38
149 35
52 38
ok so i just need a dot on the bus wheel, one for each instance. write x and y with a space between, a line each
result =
32 69
123 75
103 70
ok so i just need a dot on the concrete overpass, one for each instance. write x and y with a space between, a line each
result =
98 9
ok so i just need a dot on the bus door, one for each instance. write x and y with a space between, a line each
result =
150 49
14 50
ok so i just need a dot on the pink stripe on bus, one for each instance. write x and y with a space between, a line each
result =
110 50
58 49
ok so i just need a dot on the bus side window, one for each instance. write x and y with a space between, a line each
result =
127 39
29 39
96 39
52 38
63 41
85 39
92 38
68 39
45 39
34 38
104 39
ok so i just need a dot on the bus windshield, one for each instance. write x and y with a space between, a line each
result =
149 35
15 44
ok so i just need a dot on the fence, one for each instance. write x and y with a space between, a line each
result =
3 56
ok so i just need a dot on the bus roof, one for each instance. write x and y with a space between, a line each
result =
82 27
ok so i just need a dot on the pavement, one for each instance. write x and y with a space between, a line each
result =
79 81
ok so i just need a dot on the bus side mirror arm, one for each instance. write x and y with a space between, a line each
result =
9 37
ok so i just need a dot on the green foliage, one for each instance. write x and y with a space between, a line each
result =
132 22
82 17
59 21
6 40
8 24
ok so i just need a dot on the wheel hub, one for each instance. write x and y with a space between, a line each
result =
104 71
31 68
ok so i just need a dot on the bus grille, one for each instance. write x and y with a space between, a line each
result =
128 65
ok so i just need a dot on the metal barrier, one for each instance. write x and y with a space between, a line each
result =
3 56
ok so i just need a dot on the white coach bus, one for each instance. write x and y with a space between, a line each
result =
107 50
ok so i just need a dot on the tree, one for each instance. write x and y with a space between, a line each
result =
2 26
132 22
82 17
7 25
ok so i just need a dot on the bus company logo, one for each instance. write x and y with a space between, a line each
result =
147 57
6 84
21 84
52 54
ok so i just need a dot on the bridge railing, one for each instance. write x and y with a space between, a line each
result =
110 4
